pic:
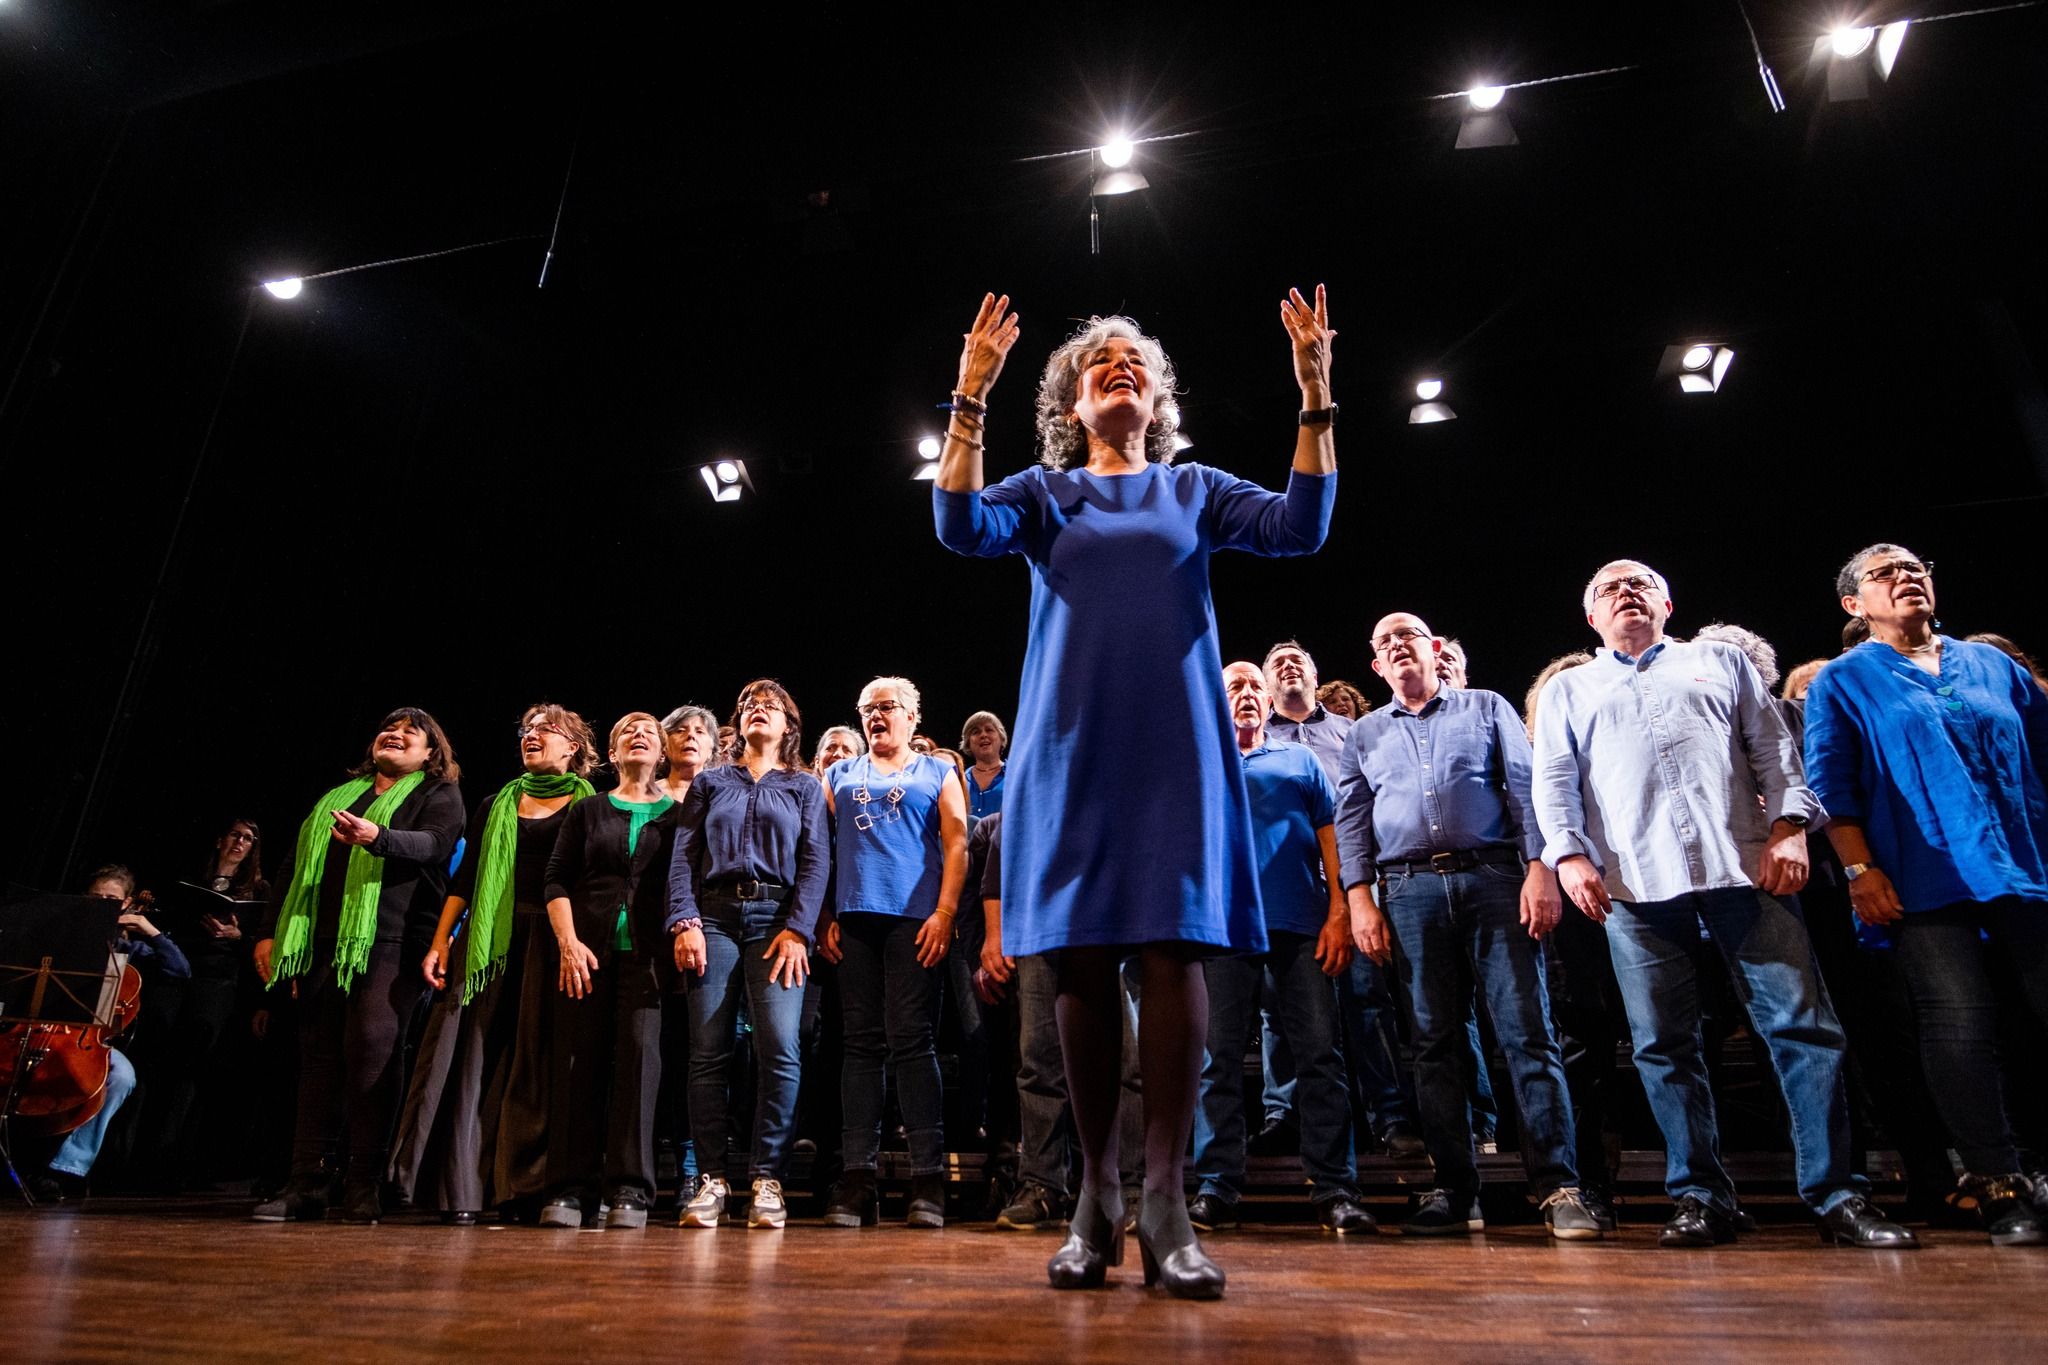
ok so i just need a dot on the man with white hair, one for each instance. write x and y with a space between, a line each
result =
1650 762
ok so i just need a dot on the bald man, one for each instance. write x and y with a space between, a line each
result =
1434 806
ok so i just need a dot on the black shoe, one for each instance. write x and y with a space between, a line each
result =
853 1202
303 1200
459 1218
1034 1206
360 1203
1403 1143
1600 1204
1441 1213
1697 1223
1210 1213
1345 1214
1280 1137
627 1211
2003 1205
927 1201
1095 1242
1173 1255
1855 1222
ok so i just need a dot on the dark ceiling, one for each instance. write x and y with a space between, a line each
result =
434 483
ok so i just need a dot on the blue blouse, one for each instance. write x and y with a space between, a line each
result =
886 827
1947 775
732 828
984 802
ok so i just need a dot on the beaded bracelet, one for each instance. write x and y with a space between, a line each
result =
682 926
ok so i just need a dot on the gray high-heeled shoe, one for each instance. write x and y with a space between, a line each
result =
1095 1242
1172 1253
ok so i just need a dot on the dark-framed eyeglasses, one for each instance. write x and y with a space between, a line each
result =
1636 583
1897 568
1396 639
542 727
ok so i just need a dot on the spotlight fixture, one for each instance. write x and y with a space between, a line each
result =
286 288
1483 123
1116 178
1116 153
1698 366
1851 54
726 480
1182 441
1428 409
928 451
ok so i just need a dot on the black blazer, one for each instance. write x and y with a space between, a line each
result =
416 844
591 869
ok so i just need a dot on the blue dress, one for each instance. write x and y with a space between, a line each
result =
1128 822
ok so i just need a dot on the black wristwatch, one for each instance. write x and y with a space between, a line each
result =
1311 416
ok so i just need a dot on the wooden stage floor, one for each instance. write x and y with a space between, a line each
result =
191 1279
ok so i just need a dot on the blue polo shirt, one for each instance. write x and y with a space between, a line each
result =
1947 775
1291 798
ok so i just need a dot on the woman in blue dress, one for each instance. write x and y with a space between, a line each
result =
1128 831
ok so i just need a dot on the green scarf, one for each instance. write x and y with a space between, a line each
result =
358 928
489 935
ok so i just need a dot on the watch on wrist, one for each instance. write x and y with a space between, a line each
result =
1854 870
1312 416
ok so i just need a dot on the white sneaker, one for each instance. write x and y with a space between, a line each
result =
707 1205
768 1211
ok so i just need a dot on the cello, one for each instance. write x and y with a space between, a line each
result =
53 1075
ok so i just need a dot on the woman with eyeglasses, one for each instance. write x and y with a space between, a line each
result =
606 886
477 1115
745 889
350 918
1128 827
1931 756
900 833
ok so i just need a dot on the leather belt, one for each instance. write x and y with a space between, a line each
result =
749 891
1462 860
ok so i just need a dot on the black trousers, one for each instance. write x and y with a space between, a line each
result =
349 1064
605 1075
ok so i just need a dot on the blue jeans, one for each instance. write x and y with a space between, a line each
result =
1770 960
1448 930
82 1147
736 933
888 1002
1306 1003
1370 1046
1944 958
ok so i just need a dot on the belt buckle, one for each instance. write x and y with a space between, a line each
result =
1443 864
747 891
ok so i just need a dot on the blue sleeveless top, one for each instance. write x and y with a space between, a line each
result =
887 851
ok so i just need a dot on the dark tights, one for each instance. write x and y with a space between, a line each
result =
1173 1014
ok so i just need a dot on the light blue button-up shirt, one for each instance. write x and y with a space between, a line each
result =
1450 778
1653 766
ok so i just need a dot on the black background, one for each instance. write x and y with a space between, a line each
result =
435 484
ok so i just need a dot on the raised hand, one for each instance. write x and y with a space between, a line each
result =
1308 327
988 344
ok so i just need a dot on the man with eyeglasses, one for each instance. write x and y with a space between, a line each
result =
1650 762
1365 996
1434 807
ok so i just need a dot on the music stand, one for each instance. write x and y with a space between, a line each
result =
55 970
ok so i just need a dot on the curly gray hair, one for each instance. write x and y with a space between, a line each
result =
1061 441
1758 649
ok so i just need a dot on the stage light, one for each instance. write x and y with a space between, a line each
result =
1851 54
1181 441
1483 124
930 448
1429 407
726 480
285 289
1117 152
1698 366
